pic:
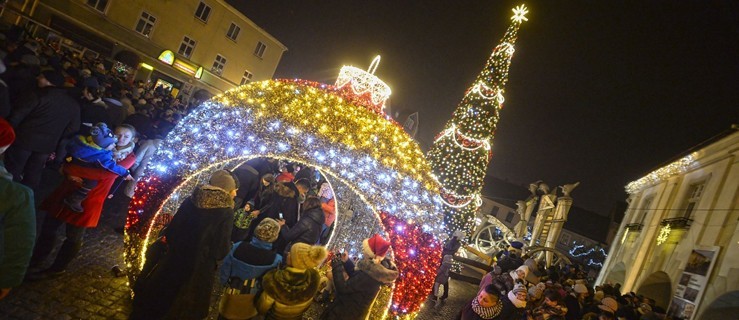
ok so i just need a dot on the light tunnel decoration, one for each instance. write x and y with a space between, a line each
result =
360 151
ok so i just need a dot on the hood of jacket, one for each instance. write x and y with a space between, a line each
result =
377 271
286 189
211 197
291 286
315 214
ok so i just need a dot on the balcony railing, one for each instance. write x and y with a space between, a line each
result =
677 223
634 226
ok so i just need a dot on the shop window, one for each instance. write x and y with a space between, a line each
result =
259 50
218 65
233 31
203 12
246 78
145 24
186 47
99 5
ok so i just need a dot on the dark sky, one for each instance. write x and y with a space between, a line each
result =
600 92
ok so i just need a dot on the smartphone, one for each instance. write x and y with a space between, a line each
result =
281 218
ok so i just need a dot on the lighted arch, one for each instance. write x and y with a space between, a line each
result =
362 152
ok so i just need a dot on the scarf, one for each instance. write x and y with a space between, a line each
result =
518 303
486 313
121 152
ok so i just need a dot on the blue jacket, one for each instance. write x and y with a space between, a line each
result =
233 267
89 154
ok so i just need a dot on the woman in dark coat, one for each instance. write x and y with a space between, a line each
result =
308 229
354 297
180 283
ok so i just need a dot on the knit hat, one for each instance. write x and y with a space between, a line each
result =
525 270
303 256
55 77
224 180
142 101
86 72
535 292
598 295
580 288
267 230
7 134
519 288
608 304
644 308
375 246
102 136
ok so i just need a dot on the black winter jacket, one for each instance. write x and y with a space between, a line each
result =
43 117
354 297
307 230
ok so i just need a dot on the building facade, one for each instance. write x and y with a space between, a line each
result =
188 44
679 240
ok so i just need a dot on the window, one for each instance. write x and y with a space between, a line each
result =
186 47
509 216
99 5
203 12
494 211
233 31
645 209
694 194
218 65
259 50
145 24
246 78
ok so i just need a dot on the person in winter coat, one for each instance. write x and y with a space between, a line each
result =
552 308
508 280
488 278
308 228
266 189
40 120
354 297
75 223
144 153
442 279
453 244
92 108
289 292
486 305
249 179
576 302
253 259
511 259
180 285
17 221
284 202
518 298
93 151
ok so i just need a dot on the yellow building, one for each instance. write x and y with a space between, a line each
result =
679 240
172 40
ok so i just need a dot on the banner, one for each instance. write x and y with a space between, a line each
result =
693 282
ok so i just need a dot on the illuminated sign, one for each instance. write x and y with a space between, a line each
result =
146 66
184 67
199 73
167 56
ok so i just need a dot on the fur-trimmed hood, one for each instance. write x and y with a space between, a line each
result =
377 271
291 286
211 197
285 189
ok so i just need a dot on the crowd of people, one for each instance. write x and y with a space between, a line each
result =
518 287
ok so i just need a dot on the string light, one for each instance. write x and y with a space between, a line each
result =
664 233
365 82
662 174
370 160
462 151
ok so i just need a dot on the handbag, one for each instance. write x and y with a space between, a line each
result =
237 302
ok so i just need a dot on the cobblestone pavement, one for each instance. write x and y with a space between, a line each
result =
90 290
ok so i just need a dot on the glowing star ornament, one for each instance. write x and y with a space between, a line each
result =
519 13
664 233
462 152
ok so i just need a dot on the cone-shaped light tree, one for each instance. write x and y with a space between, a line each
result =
462 151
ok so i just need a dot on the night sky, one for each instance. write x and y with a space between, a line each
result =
600 92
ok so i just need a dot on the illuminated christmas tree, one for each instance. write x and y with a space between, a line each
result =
461 152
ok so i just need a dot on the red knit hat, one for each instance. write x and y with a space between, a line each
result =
375 246
7 135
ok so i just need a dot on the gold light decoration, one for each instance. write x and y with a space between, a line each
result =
664 233
365 82
662 174
462 151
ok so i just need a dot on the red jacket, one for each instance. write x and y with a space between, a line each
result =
93 204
